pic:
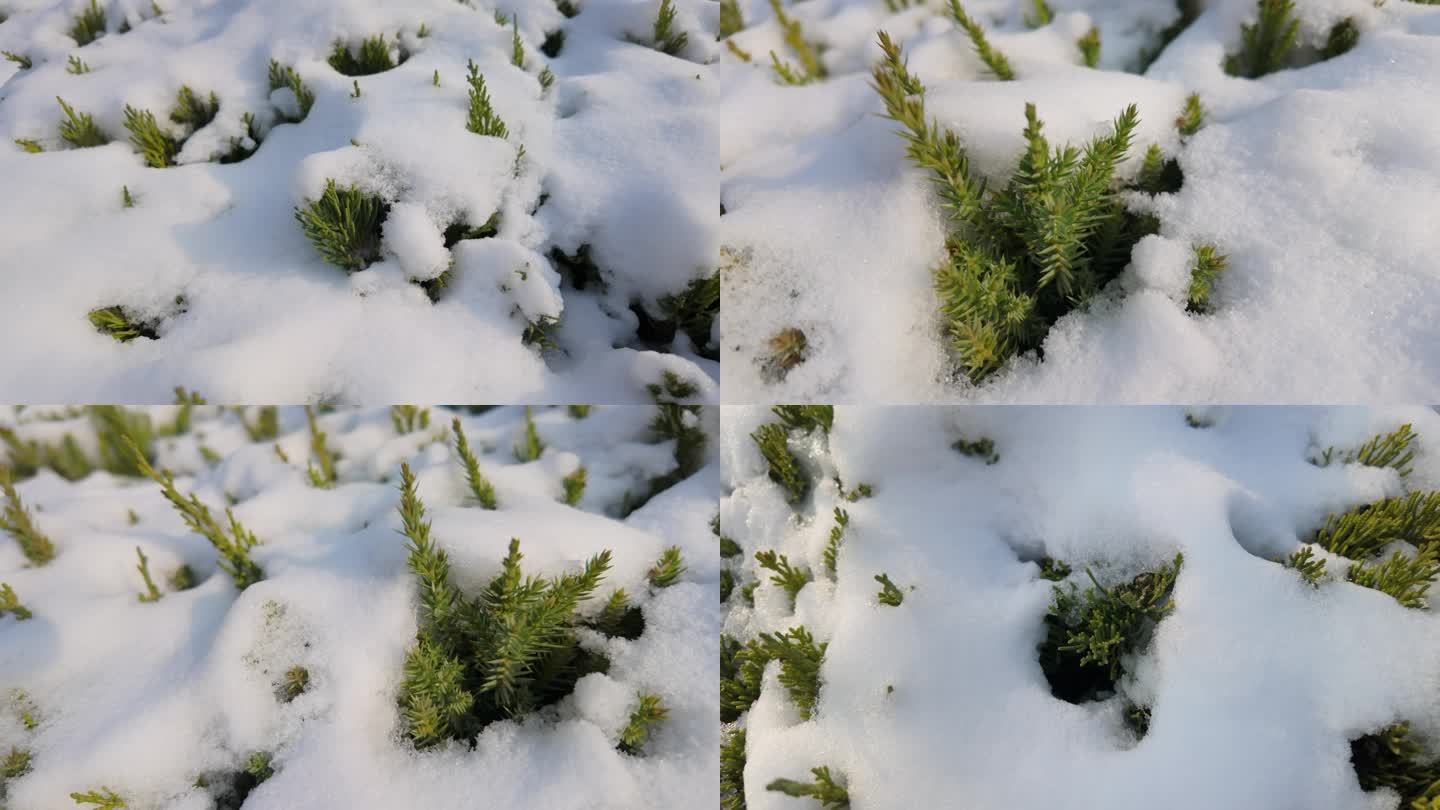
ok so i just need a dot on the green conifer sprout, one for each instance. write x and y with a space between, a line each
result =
1089 46
483 119
117 429
1192 118
1208 266
889 593
294 684
16 519
322 476
102 799
806 417
730 20
783 575
810 69
668 40
233 543
732 769
193 111
266 427
574 485
1310 568
530 447
1394 758
648 713
10 603
823 789
667 569
152 593
374 57
785 470
344 226
285 76
1267 43
993 59
837 538
480 486
1040 14
89 24
517 47
79 129
156 146
19 59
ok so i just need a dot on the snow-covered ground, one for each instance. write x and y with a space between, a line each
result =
617 173
1318 182
1256 682
102 691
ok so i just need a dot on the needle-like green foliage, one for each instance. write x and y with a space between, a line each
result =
117 430
152 593
1394 758
800 658
727 584
16 520
1363 532
323 475
773 441
88 25
693 311
806 417
837 538
1020 257
1304 562
667 569
294 683
1040 14
981 449
1192 118
889 593
102 799
19 59
648 713
480 486
993 59
15 765
483 119
730 20
117 323
1343 36
574 485
1209 264
1088 635
285 76
1403 576
10 603
1089 46
409 418
823 789
267 424
232 542
810 68
578 411
79 129
1382 450
784 575
502 654
732 769
374 57
1266 44
344 225
530 447
26 458
155 145
76 66
193 111
667 39
29 145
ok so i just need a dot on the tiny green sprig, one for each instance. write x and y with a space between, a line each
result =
1310 568
810 69
10 603
530 447
374 57
667 569
323 475
837 539
152 593
79 129
480 486
806 418
1267 43
102 799
648 713
1089 46
993 59
667 39
285 76
16 519
889 593
1207 266
822 788
344 225
88 25
773 441
574 486
732 769
483 120
156 146
783 575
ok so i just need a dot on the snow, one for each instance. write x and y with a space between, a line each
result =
1257 681
618 154
143 698
1315 181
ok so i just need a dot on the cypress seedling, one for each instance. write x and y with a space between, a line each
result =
1088 635
1266 44
647 714
783 575
785 470
76 66
1209 264
374 57
837 538
806 417
1193 116
727 584
574 485
822 788
409 418
1393 758
1310 568
322 476
1040 14
1089 46
266 427
10 603
483 119
102 799
665 36
693 311
156 146
1382 450
1343 36
193 111
993 59
344 225
578 411
89 24
810 69
1364 532
479 485
530 447
294 683
232 542
799 658
79 129
285 76
618 619
19 59
152 593
517 47
732 769
667 569
117 322
16 520
29 145
889 593
15 765
1406 578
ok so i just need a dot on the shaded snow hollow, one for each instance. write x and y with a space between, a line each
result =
1318 182
142 698
1257 680
619 155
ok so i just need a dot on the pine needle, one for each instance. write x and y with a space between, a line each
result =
783 575
374 57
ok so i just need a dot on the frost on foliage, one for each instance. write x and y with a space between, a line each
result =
323 659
